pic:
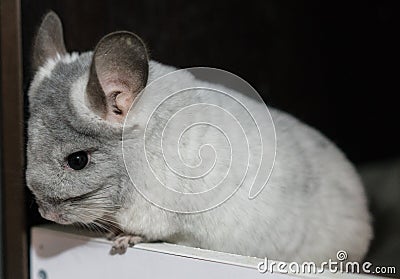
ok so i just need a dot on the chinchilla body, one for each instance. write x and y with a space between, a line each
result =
312 206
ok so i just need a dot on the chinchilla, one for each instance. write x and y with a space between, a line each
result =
313 205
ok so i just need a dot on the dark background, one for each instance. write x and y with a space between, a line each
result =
329 63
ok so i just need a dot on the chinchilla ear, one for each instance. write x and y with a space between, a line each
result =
49 41
118 73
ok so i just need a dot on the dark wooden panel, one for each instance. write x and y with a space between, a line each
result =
14 232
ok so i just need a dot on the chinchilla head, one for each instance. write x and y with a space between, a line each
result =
78 103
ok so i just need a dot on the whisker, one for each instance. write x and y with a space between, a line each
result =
107 221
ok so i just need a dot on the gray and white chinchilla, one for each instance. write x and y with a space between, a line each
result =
313 206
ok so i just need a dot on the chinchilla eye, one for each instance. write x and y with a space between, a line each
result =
78 160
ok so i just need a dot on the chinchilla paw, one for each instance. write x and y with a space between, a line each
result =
122 241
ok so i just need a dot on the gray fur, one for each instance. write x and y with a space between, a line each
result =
55 131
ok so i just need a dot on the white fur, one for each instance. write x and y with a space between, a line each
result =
313 206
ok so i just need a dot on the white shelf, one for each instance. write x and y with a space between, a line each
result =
59 252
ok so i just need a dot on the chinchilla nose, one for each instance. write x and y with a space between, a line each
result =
55 216
52 212
49 214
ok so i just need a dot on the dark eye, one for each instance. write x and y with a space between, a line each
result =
78 160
